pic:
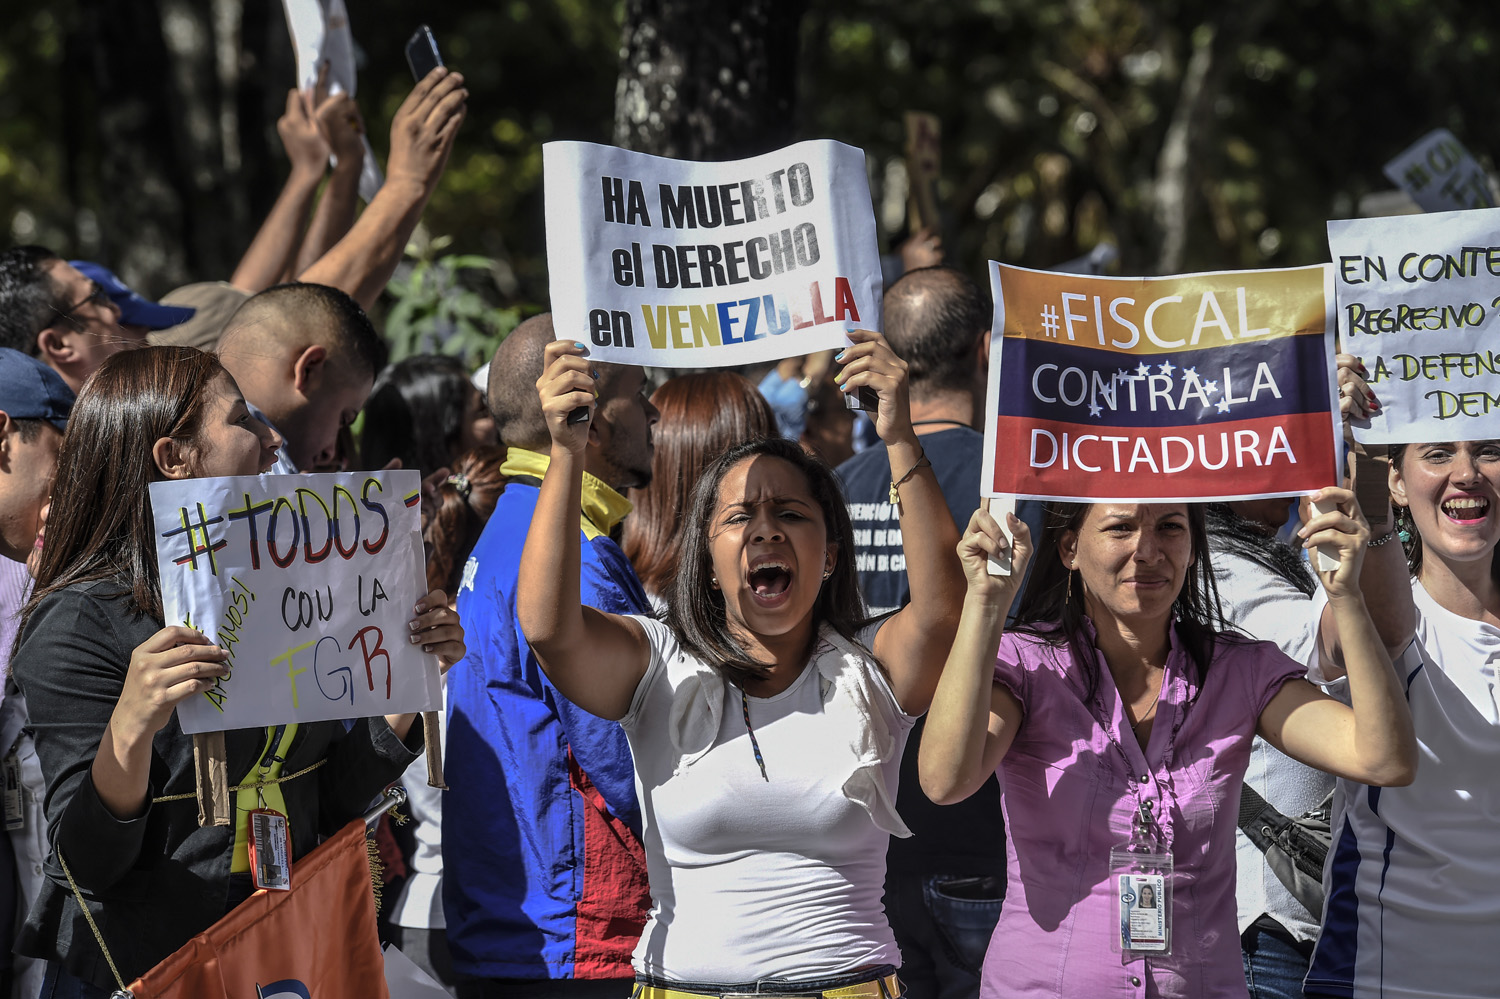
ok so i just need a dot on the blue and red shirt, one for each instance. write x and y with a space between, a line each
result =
544 873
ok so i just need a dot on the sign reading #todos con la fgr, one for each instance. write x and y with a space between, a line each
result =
308 582
1419 303
672 263
1191 387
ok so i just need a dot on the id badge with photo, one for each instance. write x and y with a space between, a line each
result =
270 849
1142 887
15 808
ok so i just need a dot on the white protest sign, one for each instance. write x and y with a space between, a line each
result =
308 582
677 264
1440 174
1418 298
320 31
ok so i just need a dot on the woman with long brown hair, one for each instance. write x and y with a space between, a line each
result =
702 416
103 677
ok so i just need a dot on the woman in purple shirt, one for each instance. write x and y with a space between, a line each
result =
1118 702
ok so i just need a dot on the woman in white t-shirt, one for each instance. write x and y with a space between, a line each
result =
1413 878
765 715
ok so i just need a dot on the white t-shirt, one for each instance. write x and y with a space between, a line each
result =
778 877
1413 879
1267 607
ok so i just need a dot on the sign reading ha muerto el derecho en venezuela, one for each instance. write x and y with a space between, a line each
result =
1196 386
677 264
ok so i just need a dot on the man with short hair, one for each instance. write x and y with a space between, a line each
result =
544 883
305 356
944 885
54 313
34 407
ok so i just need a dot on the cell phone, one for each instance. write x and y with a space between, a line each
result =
863 399
422 53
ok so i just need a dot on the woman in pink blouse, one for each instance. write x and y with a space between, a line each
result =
1116 695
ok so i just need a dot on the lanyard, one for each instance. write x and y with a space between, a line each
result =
1165 787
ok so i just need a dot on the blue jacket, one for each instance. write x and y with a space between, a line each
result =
544 875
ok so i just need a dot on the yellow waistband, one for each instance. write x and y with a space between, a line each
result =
881 988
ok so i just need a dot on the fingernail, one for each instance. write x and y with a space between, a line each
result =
840 355
578 345
594 373
415 639
412 625
422 608
426 648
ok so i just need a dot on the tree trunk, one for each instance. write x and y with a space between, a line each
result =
708 81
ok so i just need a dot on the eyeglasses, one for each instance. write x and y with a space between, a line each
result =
96 296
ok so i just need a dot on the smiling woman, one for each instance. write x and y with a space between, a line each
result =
766 715
1430 844
1119 716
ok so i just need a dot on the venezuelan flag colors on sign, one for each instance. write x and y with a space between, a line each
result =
1190 387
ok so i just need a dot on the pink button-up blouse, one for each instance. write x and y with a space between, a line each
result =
1071 782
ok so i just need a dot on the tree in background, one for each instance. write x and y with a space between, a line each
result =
708 81
1192 134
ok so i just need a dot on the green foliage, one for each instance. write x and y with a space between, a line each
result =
442 304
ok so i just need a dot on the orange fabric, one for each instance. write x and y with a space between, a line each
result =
317 941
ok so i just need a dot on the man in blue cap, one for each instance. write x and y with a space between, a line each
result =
51 311
138 314
34 408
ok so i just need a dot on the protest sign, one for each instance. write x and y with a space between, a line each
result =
1418 297
678 264
320 32
308 582
1192 387
1440 174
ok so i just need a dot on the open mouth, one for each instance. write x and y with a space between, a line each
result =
770 581
1466 509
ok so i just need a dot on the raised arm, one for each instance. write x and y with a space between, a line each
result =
1371 742
914 642
422 135
596 660
1385 580
973 719
339 121
274 249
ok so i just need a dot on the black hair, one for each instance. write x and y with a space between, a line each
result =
1053 611
933 316
511 389
293 302
695 610
416 413
30 430
28 297
1235 535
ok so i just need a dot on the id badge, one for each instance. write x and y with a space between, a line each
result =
15 809
270 850
1142 886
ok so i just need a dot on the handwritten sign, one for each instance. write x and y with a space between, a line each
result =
678 264
1418 298
308 582
1440 174
1193 387
321 33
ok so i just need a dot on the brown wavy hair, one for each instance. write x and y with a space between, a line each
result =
100 524
465 501
702 416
